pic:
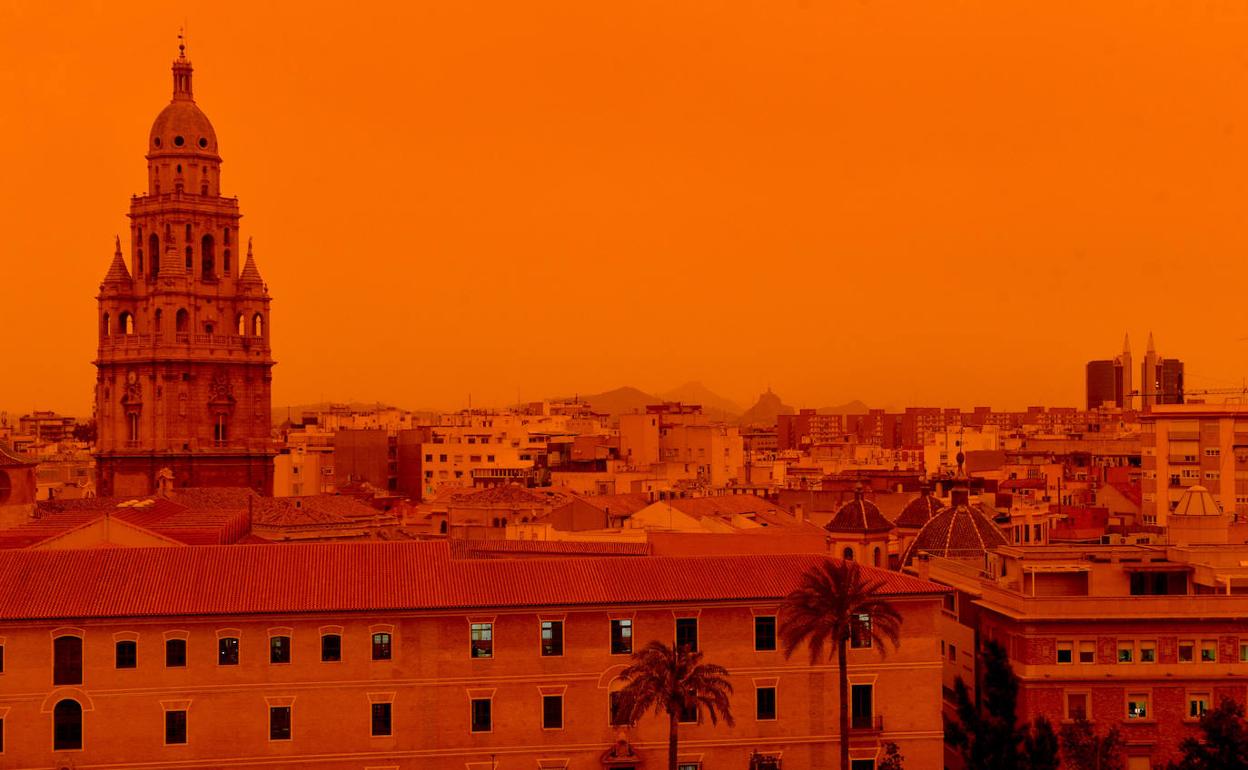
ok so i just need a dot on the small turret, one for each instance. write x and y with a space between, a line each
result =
117 272
251 273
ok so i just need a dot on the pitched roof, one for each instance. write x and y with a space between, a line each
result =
485 549
117 268
376 576
724 505
620 505
858 515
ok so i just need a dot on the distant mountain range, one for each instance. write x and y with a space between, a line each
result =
627 399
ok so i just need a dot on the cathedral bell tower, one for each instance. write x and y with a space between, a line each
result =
184 365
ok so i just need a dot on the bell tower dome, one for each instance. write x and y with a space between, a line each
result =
184 365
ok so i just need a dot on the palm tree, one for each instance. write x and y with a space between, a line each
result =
835 602
675 681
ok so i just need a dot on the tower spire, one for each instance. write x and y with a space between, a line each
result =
1151 349
251 273
117 269
182 71
1126 343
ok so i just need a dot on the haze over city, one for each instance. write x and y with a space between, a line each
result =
945 204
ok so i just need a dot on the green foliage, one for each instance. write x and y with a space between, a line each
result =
1085 749
826 610
892 758
988 733
670 681
1224 743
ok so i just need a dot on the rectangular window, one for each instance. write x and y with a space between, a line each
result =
1137 706
481 715
862 764
688 714
1148 651
331 648
1126 652
175 727
381 646
1087 652
175 653
1197 704
621 637
861 707
1209 651
552 712
687 633
613 704
1187 651
381 719
860 632
1065 652
67 660
279 723
765 633
227 651
1243 652
127 654
552 638
1076 705
482 640
953 653
765 703
279 649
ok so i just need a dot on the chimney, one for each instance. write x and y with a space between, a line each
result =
799 511
959 496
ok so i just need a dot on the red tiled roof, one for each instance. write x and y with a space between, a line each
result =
724 505
919 511
620 505
374 576
1130 491
956 532
10 458
472 549
858 515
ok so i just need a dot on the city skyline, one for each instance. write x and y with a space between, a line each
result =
711 198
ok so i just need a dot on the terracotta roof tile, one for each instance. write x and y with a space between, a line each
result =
919 511
347 577
475 549
960 531
858 515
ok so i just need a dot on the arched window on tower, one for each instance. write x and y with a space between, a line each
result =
207 258
132 426
257 325
220 429
227 237
67 725
182 321
225 262
139 268
156 322
153 249
104 329
240 323
848 554
875 557
125 323
190 260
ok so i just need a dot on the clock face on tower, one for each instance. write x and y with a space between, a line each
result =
132 378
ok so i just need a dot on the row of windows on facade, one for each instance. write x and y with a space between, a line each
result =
68 733
1145 651
68 649
220 427
67 653
1137 705
150 267
181 324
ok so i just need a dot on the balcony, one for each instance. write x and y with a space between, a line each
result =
866 723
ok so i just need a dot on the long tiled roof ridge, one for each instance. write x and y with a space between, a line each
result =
376 577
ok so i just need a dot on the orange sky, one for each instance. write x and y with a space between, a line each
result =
944 203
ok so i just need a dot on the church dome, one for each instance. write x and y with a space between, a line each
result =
962 531
182 128
1197 501
858 515
919 511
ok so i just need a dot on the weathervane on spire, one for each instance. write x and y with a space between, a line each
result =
181 44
